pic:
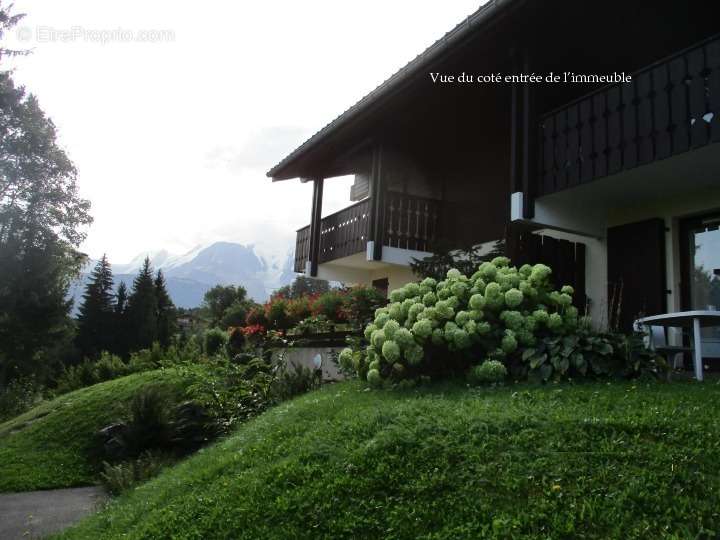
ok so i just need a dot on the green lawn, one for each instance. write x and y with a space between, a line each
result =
588 461
48 446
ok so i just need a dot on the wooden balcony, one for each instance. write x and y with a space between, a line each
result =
409 222
670 107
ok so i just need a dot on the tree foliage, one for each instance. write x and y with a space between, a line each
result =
166 316
303 286
96 321
142 309
465 259
7 21
42 222
227 305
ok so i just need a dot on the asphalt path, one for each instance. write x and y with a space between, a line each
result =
36 514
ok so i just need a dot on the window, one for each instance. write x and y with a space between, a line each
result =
700 242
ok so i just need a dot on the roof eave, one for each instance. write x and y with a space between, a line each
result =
484 15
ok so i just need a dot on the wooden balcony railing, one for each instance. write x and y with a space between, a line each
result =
345 232
409 223
302 249
670 107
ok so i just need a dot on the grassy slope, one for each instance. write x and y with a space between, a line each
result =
595 461
47 447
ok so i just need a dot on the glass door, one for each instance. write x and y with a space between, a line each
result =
702 273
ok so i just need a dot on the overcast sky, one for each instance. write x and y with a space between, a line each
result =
173 132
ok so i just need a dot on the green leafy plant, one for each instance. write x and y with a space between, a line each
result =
490 371
110 367
360 303
501 313
149 427
298 309
330 305
230 392
276 313
434 328
256 316
120 477
313 325
465 259
18 396
77 376
293 379
215 341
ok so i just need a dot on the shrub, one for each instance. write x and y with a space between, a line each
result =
191 426
235 314
215 341
490 371
155 423
236 341
276 313
110 367
77 376
123 476
256 316
149 427
502 313
329 305
147 359
230 392
314 325
18 396
298 309
253 334
361 302
293 379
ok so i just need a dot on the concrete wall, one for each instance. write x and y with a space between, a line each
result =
358 270
306 356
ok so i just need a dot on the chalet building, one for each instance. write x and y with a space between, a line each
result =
616 185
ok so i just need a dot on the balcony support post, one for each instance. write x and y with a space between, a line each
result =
515 131
529 141
315 220
377 204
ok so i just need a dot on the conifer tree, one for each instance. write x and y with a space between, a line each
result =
96 317
141 313
166 324
121 346
121 299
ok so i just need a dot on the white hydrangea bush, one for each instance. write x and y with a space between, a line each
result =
431 328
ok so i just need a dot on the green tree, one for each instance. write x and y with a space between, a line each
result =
303 286
121 299
235 314
121 346
7 21
222 298
36 330
166 313
42 222
96 319
141 313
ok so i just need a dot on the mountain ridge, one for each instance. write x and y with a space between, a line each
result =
191 274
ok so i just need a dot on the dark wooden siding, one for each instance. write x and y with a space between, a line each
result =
565 258
636 271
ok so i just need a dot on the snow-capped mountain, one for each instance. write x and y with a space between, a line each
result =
191 274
